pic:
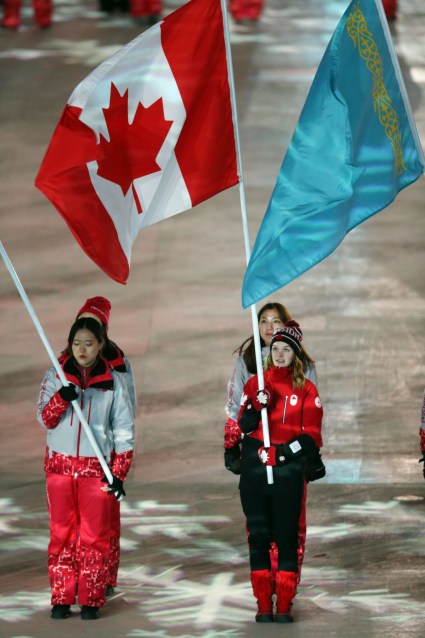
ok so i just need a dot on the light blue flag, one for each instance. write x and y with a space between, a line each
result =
353 150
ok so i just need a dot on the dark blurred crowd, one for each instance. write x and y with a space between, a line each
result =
143 12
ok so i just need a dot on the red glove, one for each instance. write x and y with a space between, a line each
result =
302 446
267 455
232 433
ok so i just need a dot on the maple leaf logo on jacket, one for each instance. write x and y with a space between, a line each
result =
144 137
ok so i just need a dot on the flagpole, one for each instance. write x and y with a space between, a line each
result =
54 360
400 80
247 243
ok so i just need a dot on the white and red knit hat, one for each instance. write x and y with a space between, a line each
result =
291 334
98 306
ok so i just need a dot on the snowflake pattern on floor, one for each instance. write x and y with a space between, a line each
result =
215 604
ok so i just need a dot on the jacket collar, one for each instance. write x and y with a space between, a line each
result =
100 374
281 374
115 357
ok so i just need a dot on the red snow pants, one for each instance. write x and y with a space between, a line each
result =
115 533
78 506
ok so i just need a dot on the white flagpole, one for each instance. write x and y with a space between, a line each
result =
247 243
400 80
54 360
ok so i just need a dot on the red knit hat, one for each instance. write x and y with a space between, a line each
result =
98 306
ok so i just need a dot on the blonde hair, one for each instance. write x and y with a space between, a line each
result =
298 378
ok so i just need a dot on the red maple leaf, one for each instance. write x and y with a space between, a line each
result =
132 148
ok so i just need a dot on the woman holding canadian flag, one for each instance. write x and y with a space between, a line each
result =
273 510
79 502
99 308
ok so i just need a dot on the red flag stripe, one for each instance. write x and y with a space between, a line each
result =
192 36
68 186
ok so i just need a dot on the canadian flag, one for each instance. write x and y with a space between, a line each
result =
148 134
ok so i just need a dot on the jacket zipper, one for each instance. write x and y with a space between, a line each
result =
79 423
284 410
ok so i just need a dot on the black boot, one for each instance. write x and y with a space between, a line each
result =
60 611
89 613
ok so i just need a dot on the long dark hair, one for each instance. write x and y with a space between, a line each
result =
247 348
86 323
110 348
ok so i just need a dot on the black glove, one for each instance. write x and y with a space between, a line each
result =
303 445
232 459
315 468
249 419
68 392
116 487
422 460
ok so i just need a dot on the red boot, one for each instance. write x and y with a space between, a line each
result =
12 14
43 13
286 588
262 586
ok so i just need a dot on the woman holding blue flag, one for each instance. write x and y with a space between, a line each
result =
273 511
271 316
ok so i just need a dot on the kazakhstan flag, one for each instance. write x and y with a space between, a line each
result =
355 147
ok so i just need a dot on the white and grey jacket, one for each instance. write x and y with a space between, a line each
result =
105 404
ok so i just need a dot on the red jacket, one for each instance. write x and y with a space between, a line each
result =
292 411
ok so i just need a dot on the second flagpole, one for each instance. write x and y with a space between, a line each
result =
247 243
